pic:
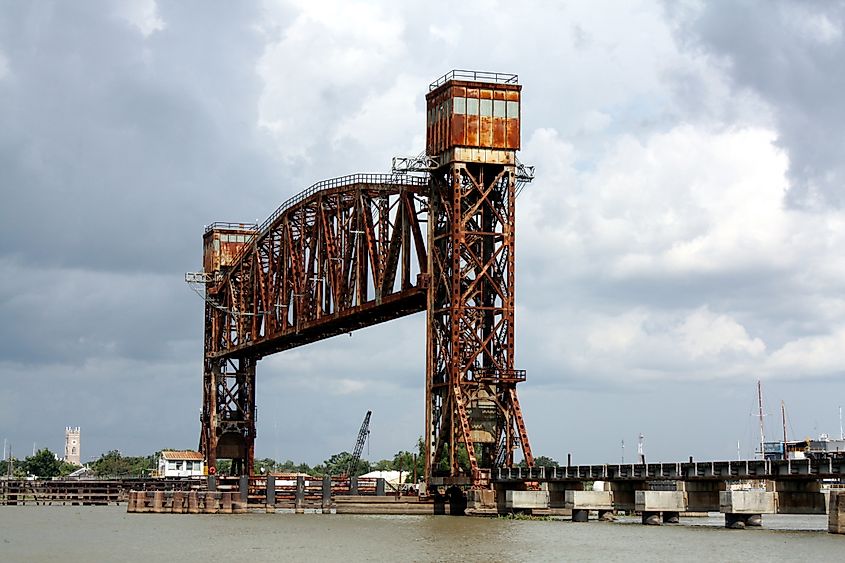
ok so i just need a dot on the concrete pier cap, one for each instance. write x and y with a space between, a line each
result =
524 500
746 508
582 502
654 504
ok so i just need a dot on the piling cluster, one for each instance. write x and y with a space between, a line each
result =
185 502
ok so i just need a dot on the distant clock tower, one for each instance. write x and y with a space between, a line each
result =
72 445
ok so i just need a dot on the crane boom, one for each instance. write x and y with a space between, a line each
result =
359 445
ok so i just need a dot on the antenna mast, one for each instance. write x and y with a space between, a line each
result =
783 421
760 414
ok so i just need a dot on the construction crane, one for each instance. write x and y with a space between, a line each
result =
363 433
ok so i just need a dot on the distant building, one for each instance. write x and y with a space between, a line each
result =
72 444
183 463
82 473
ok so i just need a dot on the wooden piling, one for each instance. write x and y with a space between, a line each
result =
299 506
226 502
270 500
212 505
193 503
158 502
178 504
326 505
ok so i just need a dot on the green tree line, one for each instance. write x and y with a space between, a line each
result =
45 465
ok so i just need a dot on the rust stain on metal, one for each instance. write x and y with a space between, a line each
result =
471 114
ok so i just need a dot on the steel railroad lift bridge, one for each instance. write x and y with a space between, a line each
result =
434 235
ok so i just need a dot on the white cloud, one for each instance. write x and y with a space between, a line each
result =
654 246
143 14
448 33
814 26
320 69
668 249
682 202
816 355
704 334
387 121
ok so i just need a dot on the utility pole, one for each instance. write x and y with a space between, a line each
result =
640 451
623 451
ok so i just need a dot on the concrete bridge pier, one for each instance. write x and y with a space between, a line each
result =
483 501
582 502
526 501
654 505
746 508
836 514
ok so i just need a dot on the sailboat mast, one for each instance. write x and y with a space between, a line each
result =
760 414
783 421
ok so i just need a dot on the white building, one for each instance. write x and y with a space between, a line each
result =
184 463
72 443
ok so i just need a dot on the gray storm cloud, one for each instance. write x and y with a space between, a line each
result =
656 260
790 54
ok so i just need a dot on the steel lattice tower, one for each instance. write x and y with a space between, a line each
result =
471 401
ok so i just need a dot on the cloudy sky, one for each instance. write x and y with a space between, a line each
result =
683 237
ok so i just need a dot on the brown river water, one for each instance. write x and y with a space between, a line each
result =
107 533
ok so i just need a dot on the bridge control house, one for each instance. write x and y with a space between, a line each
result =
181 463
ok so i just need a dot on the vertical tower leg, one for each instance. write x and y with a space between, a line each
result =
473 417
228 418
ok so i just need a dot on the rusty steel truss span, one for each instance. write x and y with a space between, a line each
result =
436 235
345 254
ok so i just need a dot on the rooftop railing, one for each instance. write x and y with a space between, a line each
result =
223 225
474 76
